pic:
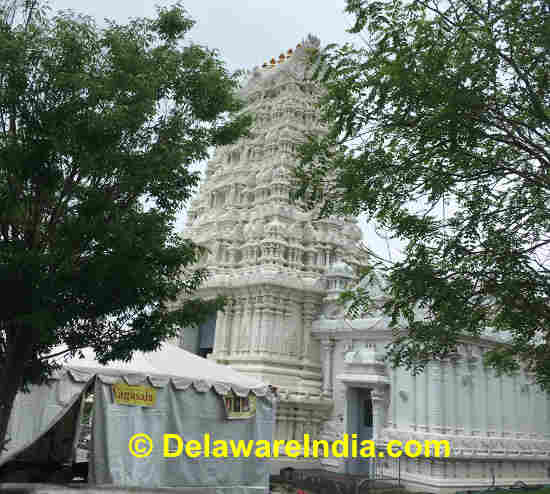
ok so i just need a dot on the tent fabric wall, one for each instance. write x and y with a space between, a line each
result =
189 402
190 414
35 413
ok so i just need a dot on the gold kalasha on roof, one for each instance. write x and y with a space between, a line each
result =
282 58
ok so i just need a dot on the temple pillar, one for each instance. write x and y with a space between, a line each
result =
235 344
532 395
445 391
435 397
327 346
501 406
257 324
392 412
230 311
247 327
378 397
421 401
274 336
464 393
493 412
281 425
485 418
507 405
473 423
292 330
316 421
234 261
279 331
517 397
266 327
540 413
301 421
455 417
308 316
414 425
219 334
300 258
223 331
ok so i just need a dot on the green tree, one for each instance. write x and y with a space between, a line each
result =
98 128
446 102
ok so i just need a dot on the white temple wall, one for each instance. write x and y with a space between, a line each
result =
457 398
463 398
495 425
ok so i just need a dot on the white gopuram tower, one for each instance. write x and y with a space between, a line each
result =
269 256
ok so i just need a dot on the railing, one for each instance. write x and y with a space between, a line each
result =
386 468
518 487
382 473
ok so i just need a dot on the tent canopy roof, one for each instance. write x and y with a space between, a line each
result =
168 364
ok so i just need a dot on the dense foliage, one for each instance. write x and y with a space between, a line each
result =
446 103
98 128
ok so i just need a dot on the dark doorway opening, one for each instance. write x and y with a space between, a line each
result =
207 334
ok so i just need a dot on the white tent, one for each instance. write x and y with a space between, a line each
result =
188 401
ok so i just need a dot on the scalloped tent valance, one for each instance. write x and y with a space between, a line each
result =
169 364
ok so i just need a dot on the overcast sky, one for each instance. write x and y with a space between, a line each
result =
246 33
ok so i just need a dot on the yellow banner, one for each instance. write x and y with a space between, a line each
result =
141 396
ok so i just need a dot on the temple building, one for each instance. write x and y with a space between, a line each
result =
283 270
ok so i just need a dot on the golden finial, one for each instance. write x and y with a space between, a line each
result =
273 61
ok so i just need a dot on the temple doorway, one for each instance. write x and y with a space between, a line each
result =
360 422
